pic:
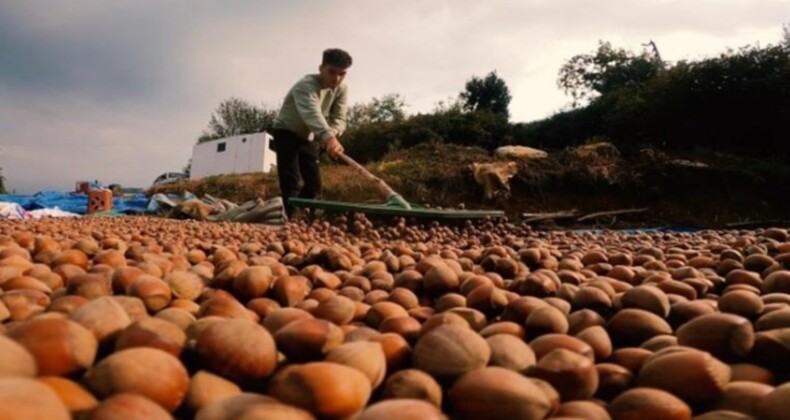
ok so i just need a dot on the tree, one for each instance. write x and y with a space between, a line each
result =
786 35
738 102
587 76
388 108
236 116
2 183
490 93
449 105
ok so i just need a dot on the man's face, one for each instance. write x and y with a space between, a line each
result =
331 76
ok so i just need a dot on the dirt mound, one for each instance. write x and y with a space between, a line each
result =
697 189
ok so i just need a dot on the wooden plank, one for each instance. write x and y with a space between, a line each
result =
538 217
611 213
760 223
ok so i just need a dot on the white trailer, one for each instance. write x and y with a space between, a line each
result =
233 155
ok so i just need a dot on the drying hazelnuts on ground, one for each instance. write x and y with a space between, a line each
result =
145 318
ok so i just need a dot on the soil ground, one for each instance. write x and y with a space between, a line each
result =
700 189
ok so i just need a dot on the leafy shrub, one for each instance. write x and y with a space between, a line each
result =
483 129
737 102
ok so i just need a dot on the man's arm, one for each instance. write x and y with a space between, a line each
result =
309 108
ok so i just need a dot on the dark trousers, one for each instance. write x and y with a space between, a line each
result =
297 160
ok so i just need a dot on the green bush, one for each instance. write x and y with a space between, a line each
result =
2 183
737 102
561 130
483 129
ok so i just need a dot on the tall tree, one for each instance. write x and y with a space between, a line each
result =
2 183
236 116
453 104
490 93
388 108
587 76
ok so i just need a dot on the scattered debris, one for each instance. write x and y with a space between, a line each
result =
14 211
688 163
539 217
575 215
494 177
597 150
519 153
611 213
208 208
753 224
194 209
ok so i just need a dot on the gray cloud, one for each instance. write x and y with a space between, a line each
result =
98 54
119 91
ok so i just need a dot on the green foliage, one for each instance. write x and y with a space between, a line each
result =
561 130
451 104
2 183
608 69
488 94
236 116
737 102
478 117
387 108
482 129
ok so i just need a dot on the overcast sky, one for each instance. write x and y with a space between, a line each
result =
120 90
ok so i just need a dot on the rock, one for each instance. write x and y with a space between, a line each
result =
519 152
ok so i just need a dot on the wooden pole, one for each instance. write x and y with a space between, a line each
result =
382 188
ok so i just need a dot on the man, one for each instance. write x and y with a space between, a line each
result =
313 115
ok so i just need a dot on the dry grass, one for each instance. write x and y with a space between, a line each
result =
429 174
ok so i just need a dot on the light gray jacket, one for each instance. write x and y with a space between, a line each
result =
311 112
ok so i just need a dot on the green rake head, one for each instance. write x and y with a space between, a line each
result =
395 206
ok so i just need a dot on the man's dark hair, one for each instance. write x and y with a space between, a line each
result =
336 57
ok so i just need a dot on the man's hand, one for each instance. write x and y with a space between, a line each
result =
333 147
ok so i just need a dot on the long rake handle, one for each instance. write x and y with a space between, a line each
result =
381 187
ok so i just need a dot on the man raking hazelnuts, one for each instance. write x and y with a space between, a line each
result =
313 115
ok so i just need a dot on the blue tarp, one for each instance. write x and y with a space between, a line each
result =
75 202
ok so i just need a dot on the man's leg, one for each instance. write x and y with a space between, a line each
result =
287 166
311 174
